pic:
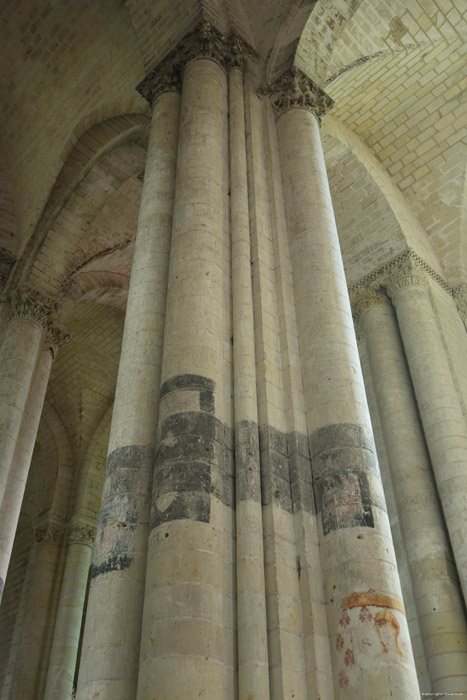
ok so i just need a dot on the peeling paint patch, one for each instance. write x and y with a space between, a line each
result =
371 598
118 562
247 462
344 500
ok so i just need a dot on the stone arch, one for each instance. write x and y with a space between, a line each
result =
94 144
63 483
414 234
90 478
99 285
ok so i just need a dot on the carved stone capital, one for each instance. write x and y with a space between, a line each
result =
295 89
32 305
54 338
204 42
48 533
460 297
83 534
367 298
406 273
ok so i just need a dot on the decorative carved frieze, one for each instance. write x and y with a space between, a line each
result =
408 260
366 298
49 533
295 89
32 305
82 534
407 273
460 297
204 42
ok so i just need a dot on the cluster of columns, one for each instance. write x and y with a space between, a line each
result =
181 602
424 434
29 345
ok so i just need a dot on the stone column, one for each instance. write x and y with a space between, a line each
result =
370 643
443 421
30 313
40 579
437 596
109 662
64 652
183 646
10 506
253 672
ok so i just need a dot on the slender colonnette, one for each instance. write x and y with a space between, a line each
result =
441 413
24 373
436 591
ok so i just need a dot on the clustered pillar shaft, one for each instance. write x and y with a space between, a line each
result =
110 654
442 417
364 599
253 672
437 596
164 591
30 315
10 506
63 655
183 639
40 578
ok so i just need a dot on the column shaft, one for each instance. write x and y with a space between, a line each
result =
18 357
64 652
437 597
10 506
40 580
253 672
442 417
109 663
184 639
364 600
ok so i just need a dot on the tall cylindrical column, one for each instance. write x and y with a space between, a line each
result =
370 643
63 655
40 579
29 314
443 421
109 662
436 592
10 506
183 639
253 672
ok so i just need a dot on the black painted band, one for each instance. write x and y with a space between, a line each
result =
343 460
125 506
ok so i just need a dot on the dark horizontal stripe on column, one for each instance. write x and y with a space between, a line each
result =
192 382
343 459
193 461
125 504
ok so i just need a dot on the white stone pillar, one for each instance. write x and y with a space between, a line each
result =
437 596
253 672
370 644
183 648
109 661
64 651
11 504
30 314
443 421
40 580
